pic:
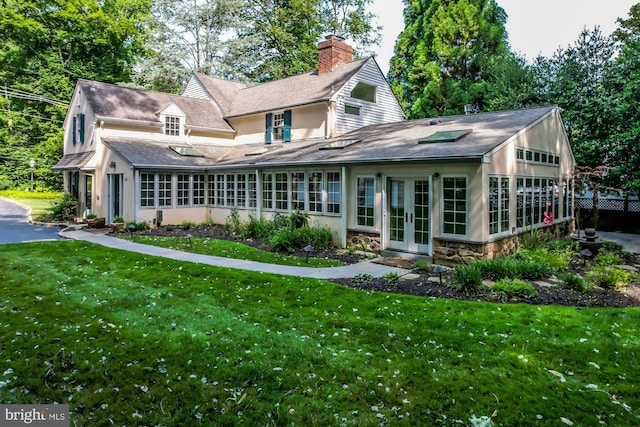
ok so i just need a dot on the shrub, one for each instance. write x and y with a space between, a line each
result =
607 258
259 229
573 282
186 224
392 277
615 247
233 225
467 278
534 240
362 278
318 237
65 209
506 289
137 226
116 219
280 220
558 260
299 219
561 245
609 277
534 270
498 268
423 265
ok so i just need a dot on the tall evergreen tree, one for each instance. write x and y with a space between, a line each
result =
443 57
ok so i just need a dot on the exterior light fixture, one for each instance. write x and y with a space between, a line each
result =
585 254
439 269
308 249
32 164
189 236
131 228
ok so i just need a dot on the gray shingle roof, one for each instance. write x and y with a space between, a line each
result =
73 161
237 99
134 104
391 142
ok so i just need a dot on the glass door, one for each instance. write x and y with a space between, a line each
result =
409 215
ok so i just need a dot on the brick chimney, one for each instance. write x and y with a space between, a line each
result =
331 52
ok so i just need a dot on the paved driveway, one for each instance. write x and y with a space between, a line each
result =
14 227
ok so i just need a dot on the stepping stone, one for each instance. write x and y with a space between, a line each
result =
545 284
488 283
629 267
410 276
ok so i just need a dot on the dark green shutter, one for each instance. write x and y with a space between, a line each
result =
269 129
286 131
74 127
81 128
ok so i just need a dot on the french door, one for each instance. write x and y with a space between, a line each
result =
409 215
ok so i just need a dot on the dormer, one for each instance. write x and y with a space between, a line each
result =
173 120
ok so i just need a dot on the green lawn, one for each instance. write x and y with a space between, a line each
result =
128 339
234 250
39 202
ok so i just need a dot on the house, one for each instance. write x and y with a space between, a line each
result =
332 143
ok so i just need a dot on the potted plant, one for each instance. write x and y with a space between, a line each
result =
117 224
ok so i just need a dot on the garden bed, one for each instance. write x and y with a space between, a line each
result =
427 284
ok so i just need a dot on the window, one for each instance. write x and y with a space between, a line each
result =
278 127
164 189
498 205
297 191
231 191
520 154
183 190
533 156
211 187
454 197
267 191
534 197
242 190
352 109
172 125
365 201
315 192
147 190
253 190
364 91
333 192
220 190
198 190
282 200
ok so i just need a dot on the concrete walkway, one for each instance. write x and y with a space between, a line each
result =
631 242
365 267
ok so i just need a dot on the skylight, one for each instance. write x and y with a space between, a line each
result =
339 145
445 136
186 151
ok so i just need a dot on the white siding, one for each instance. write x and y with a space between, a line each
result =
385 110
195 89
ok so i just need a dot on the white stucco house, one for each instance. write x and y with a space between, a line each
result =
333 143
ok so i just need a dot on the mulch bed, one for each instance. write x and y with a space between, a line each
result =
426 285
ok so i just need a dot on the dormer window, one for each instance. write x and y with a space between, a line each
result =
172 125
364 91
278 127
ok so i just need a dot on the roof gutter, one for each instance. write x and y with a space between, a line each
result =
129 122
209 130
279 107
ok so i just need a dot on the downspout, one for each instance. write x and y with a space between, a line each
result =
136 183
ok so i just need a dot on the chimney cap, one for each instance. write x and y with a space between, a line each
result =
334 36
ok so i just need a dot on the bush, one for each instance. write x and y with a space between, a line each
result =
498 268
299 219
534 240
233 225
507 289
318 237
287 240
467 278
137 226
534 270
614 247
558 260
573 282
423 265
392 277
186 224
65 209
562 245
362 278
607 258
258 229
609 277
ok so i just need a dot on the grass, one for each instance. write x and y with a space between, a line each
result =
129 339
229 249
39 202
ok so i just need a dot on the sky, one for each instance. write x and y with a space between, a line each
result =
534 28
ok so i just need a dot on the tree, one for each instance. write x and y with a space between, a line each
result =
47 45
443 57
282 36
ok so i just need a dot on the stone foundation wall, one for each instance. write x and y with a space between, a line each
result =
462 252
370 240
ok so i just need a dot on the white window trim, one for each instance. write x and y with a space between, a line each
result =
375 210
442 232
